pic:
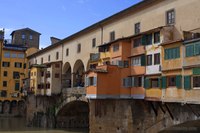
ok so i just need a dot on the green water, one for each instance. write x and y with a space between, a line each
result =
17 125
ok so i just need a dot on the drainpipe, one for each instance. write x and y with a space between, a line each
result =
101 33
182 72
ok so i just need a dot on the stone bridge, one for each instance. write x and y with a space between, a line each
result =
73 110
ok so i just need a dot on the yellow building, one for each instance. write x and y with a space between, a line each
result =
13 70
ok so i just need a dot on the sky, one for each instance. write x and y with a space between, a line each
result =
56 18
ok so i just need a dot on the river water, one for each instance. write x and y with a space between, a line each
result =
18 125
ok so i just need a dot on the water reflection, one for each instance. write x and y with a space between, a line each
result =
17 125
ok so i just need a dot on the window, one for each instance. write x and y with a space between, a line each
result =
193 49
18 64
154 83
42 73
149 60
20 55
4 83
137 81
5 73
91 81
23 36
170 17
149 39
49 58
57 75
137 28
112 36
172 81
94 42
157 59
57 55
13 55
31 37
196 81
172 53
67 52
127 82
137 42
16 75
157 37
57 65
48 75
136 61
3 93
115 47
41 60
24 65
79 48
6 64
47 85
7 54
17 86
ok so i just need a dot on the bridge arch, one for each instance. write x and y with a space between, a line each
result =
66 76
74 114
78 74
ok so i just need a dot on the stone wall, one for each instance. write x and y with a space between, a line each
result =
128 116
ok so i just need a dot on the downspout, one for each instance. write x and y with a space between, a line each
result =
62 68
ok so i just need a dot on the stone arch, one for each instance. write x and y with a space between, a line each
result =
1 107
13 107
22 107
74 114
78 74
6 107
66 76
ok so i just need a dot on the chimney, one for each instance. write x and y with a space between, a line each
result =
54 40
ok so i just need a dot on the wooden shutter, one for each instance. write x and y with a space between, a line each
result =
196 71
132 81
143 60
164 82
187 82
179 81
144 40
147 83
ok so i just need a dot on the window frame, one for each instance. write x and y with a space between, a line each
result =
157 59
149 60
137 28
112 35
170 20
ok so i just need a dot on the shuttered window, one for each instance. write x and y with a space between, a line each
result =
163 84
172 53
192 49
178 81
147 83
127 82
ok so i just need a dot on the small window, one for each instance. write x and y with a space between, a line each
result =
20 55
13 55
23 36
41 60
57 55
67 52
196 81
170 17
57 75
157 59
154 83
93 42
172 81
42 73
49 58
137 28
24 65
172 53
112 36
17 86
149 39
149 60
16 75
7 54
48 75
136 61
3 93
47 85
18 65
4 83
31 37
5 73
79 48
137 81
157 37
115 47
5 64
137 42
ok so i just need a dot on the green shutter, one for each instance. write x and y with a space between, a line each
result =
144 40
189 50
179 81
187 82
196 71
159 82
147 83
95 81
17 86
164 82
197 48
143 60
166 54
178 52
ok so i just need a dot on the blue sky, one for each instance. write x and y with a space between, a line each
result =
58 18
